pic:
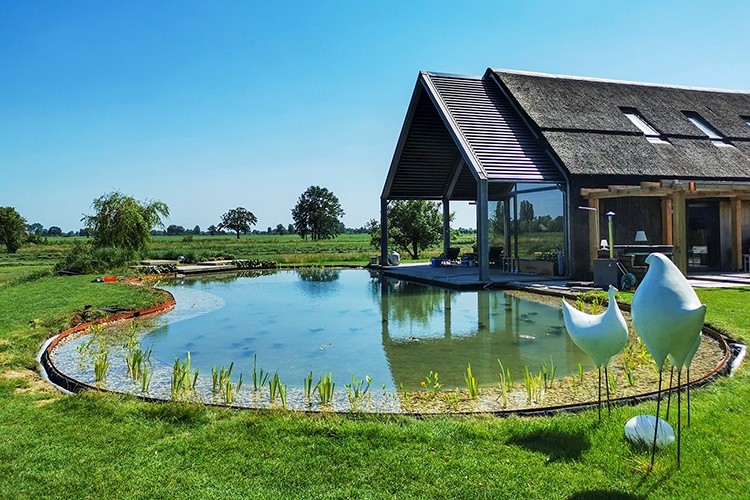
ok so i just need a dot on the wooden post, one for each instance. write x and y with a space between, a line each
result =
594 232
383 232
446 225
679 231
737 234
483 251
666 220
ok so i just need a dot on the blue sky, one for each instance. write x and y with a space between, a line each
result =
212 105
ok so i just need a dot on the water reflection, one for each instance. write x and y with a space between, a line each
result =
352 322
430 329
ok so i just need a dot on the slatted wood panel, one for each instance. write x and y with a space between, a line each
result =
429 156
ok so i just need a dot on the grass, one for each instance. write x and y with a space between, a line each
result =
104 445
287 250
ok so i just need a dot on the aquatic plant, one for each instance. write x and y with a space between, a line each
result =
472 383
355 393
432 383
324 388
580 374
452 399
146 375
506 382
221 384
308 387
260 377
101 366
183 378
547 373
534 385
136 359
275 388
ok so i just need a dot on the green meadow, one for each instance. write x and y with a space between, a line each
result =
95 445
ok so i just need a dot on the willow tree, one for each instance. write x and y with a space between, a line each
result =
123 222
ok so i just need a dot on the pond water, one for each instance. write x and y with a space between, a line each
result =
354 322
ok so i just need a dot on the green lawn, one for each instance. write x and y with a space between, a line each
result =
107 446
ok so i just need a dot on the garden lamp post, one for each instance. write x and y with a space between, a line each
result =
611 214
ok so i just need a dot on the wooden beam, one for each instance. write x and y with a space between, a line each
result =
679 231
737 234
594 233
666 220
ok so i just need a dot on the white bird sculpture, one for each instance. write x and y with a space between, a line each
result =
601 336
668 316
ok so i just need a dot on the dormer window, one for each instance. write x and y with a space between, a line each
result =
652 135
716 138
747 120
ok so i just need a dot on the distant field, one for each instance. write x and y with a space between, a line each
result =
290 250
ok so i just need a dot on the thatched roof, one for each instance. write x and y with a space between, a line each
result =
583 122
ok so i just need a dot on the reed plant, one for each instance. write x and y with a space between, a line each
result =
308 387
356 393
534 385
260 377
324 388
101 366
146 375
221 384
136 359
472 383
274 387
548 373
506 382
183 379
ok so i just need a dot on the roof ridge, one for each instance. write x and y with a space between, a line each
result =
612 80
451 75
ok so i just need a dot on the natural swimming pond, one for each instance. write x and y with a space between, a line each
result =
356 322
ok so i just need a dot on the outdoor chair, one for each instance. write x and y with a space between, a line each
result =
452 255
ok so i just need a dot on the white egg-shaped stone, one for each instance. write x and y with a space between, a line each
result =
639 430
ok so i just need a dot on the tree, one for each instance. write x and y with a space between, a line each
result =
54 231
413 226
212 230
123 222
197 230
280 229
317 214
12 229
174 230
238 220
35 228
526 211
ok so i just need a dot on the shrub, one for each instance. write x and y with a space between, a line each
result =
83 258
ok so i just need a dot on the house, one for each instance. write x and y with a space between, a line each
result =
673 162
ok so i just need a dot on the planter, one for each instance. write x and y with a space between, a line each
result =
531 266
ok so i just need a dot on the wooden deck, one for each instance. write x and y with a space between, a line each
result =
467 278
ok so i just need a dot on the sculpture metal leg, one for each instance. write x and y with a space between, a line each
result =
669 394
656 423
606 381
679 427
600 395
688 391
